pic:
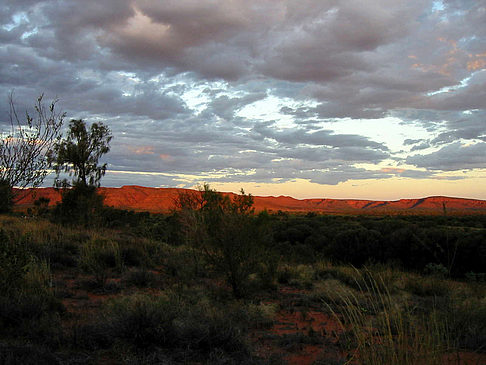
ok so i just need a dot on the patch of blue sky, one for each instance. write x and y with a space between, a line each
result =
17 19
196 95
438 5
27 34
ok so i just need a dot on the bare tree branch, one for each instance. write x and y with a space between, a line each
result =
26 149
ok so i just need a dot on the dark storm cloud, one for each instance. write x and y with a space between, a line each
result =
135 64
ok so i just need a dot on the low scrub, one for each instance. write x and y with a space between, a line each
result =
185 330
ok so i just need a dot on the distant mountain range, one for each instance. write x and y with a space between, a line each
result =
156 200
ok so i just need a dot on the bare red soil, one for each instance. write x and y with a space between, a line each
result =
158 200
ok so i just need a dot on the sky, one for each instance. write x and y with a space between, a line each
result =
373 99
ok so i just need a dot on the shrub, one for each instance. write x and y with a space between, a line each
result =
14 259
5 196
185 330
29 307
427 286
80 205
436 270
225 230
356 246
140 278
97 256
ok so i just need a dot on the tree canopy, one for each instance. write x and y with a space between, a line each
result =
79 153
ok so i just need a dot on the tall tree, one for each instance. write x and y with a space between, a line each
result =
26 148
79 153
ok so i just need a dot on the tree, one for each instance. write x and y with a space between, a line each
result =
26 149
80 152
225 230
78 155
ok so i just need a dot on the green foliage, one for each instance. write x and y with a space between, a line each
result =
80 205
427 286
436 270
80 152
232 239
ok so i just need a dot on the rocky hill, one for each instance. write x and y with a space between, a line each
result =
162 200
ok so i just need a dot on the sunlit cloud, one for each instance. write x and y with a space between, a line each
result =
284 95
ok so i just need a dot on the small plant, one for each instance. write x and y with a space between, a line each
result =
436 270
476 277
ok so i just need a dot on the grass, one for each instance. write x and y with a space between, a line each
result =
382 328
152 302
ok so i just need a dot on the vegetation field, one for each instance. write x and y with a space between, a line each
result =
214 283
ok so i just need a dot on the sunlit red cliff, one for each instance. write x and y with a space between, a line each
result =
162 200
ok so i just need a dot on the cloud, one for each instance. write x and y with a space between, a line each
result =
175 81
456 156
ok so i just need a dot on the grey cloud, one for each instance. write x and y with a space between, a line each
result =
419 147
452 157
409 141
350 59
467 126
225 107
318 138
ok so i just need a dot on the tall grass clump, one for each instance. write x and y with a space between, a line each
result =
383 329
99 255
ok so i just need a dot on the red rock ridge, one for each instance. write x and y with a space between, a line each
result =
162 200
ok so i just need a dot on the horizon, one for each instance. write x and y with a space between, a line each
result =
274 196
371 100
